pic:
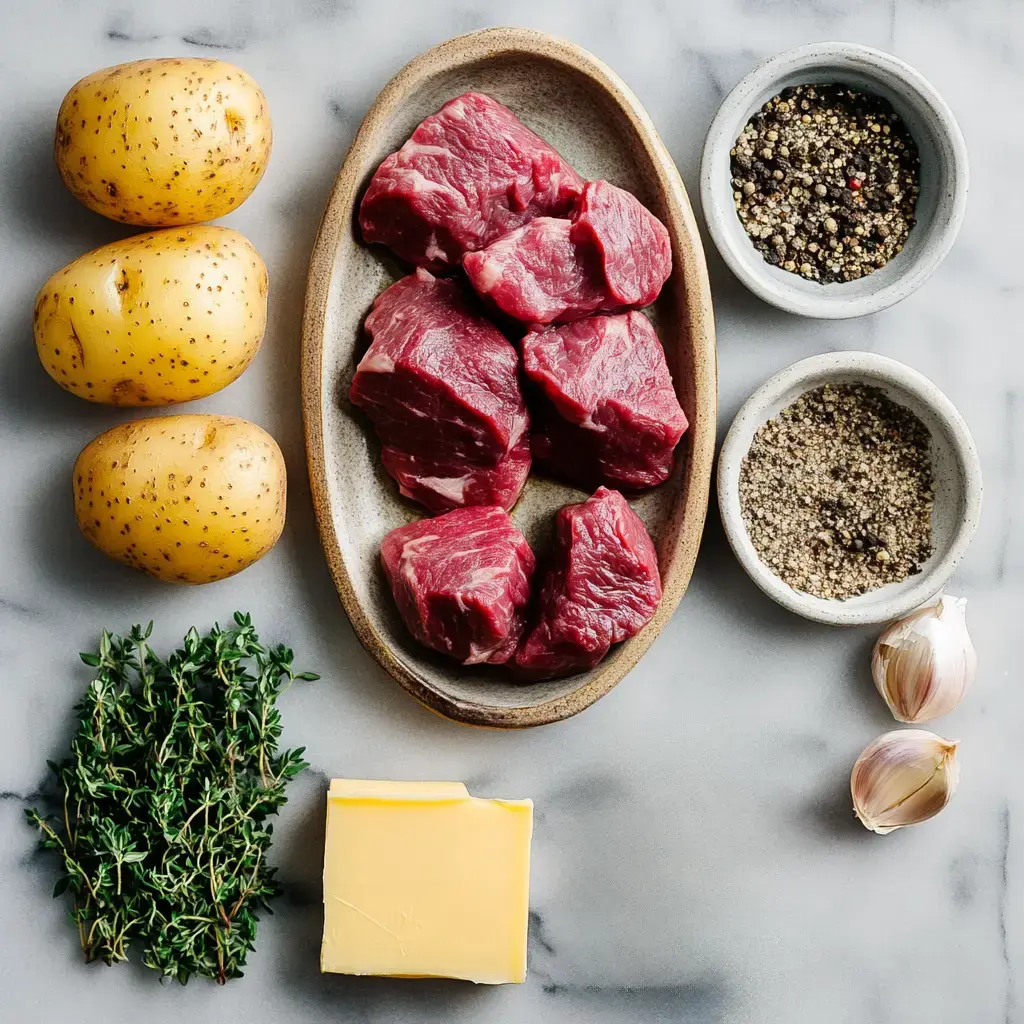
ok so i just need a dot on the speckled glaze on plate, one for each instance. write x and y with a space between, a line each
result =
592 118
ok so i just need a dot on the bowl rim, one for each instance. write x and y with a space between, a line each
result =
754 411
749 267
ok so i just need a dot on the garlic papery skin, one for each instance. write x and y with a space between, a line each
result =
903 778
923 665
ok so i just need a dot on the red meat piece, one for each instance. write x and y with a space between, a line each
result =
469 174
537 274
602 587
439 486
633 245
461 582
614 254
608 411
439 380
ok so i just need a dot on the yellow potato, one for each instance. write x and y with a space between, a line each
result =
154 319
163 142
188 499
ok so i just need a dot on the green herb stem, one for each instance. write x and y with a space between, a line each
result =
162 831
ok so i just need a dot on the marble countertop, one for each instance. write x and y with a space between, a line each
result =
696 859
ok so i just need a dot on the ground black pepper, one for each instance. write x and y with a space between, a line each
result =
837 492
825 182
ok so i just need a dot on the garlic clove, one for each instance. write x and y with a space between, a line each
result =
903 778
923 664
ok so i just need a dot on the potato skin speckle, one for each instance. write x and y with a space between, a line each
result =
164 142
162 317
187 498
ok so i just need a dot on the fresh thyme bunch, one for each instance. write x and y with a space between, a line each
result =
171 776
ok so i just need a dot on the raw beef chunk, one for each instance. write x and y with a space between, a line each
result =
607 412
614 254
440 487
602 587
537 274
633 245
439 381
469 174
461 582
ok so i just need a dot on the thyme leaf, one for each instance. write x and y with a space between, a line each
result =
160 824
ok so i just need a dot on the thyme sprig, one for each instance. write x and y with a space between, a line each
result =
161 819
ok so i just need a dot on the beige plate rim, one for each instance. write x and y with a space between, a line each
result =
466 49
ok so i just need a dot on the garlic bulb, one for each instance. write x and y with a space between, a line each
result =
903 778
923 664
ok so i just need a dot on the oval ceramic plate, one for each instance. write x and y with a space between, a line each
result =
592 118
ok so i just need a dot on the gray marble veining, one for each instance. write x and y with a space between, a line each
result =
695 856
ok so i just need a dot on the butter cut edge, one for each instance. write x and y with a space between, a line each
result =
375 789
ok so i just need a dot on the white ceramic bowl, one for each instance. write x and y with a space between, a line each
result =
955 464
940 205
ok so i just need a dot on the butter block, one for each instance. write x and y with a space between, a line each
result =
422 880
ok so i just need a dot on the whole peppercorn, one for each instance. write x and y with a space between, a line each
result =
826 168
